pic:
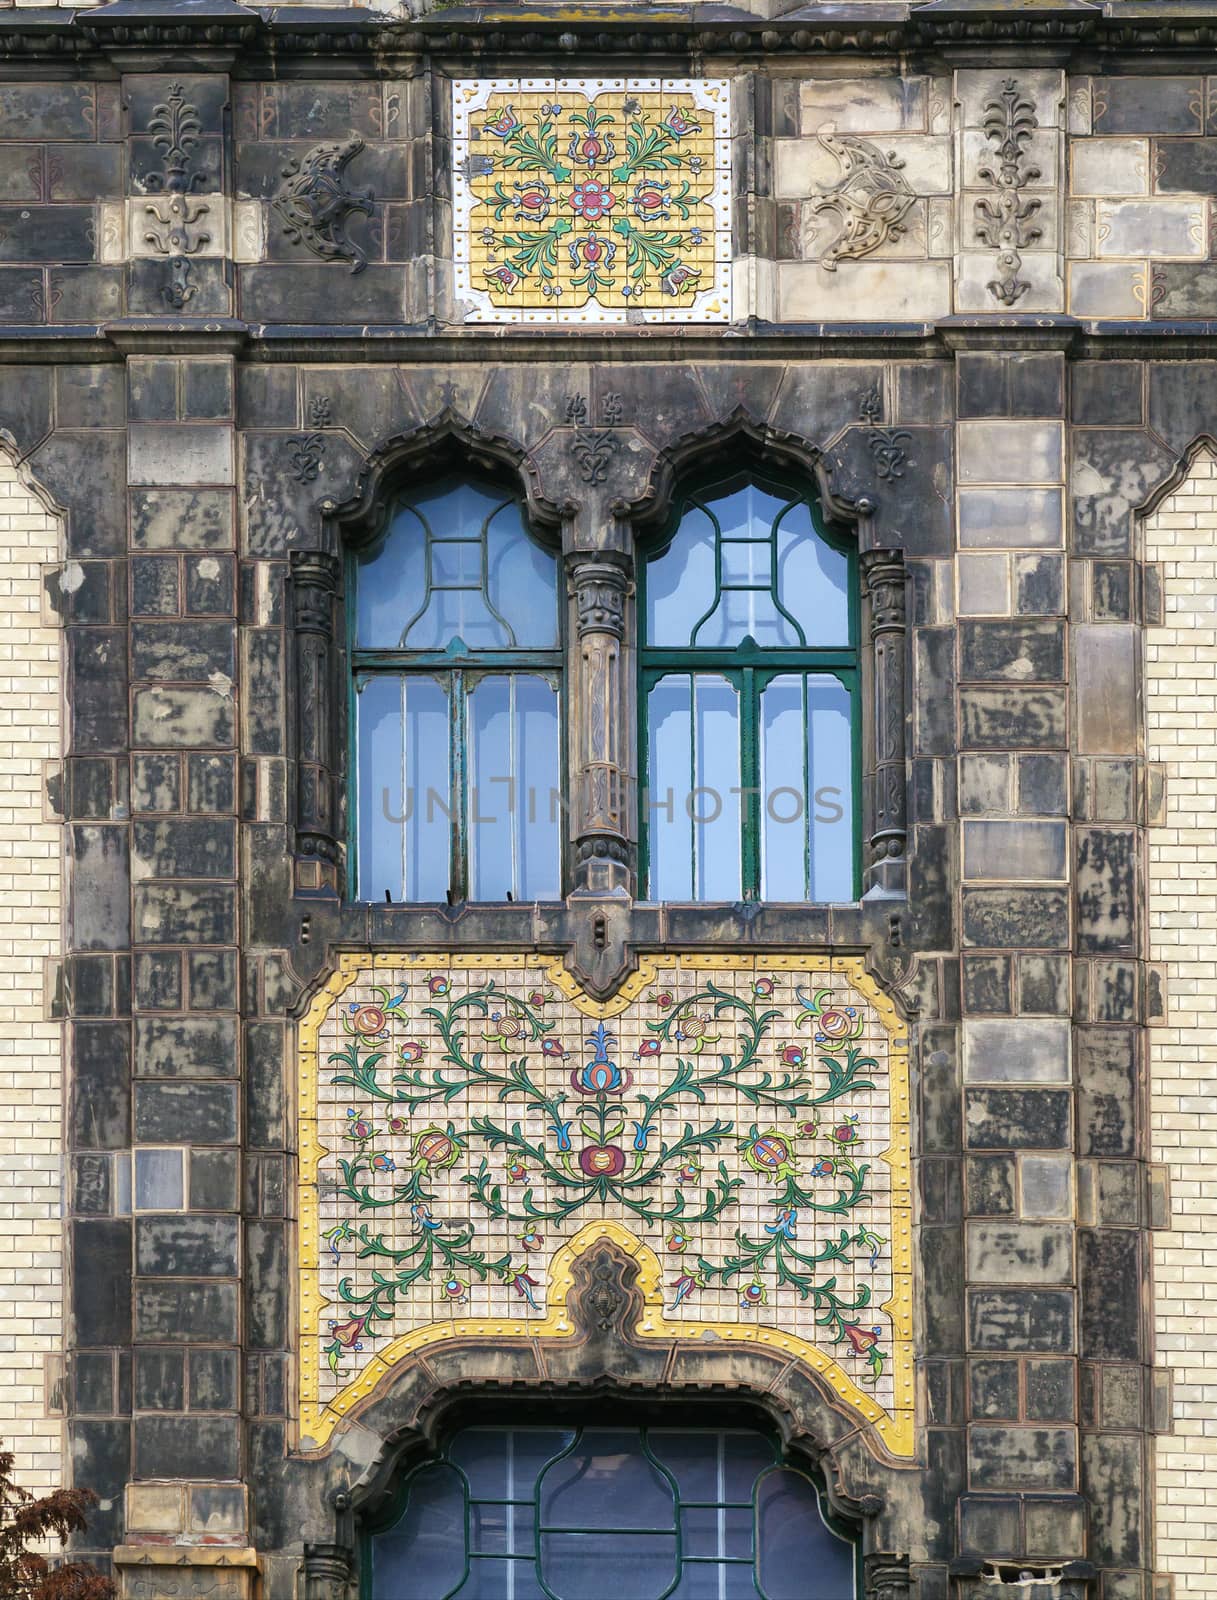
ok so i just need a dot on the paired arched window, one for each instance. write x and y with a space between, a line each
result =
750 692
456 657
588 1513
749 702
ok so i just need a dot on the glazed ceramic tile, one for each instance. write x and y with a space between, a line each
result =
472 1123
595 200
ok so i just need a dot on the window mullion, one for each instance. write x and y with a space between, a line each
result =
458 793
750 783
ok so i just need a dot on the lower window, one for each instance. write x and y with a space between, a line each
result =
609 1513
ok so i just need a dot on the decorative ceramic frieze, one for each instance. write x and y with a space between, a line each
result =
471 1124
592 200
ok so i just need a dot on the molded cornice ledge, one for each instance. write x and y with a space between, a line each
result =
567 31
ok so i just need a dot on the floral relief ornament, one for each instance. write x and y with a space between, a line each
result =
735 1122
592 202
871 198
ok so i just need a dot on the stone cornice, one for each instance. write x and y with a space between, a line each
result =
313 38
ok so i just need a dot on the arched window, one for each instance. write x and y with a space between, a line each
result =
456 657
589 1513
750 747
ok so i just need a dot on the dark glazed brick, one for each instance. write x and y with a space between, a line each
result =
1017 1119
265 1126
1105 393
189 1047
101 1085
205 94
1110 1274
148 280
996 719
194 848
1039 585
21 295
185 1313
92 1185
994 1389
158 981
1180 399
1106 889
1111 591
1018 652
210 783
55 234
1042 785
185 1113
1022 1458
186 1247
86 294
1115 471
101 1456
159 1380
1010 386
97 668
1051 1395
84 172
181 651
1038 1320
990 1523
101 1281
152 390
213 1180
154 586
155 783
1005 919
291 293
1106 1073
316 111
1149 105
990 1182
181 519
48 111
212 976
185 914
90 397
1185 166
207 392
210 1444
986 984
266 397
1114 1485
267 1286
1043 985
93 1382
1188 291
209 585
213 1380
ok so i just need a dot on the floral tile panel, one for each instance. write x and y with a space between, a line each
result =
592 200
470 1124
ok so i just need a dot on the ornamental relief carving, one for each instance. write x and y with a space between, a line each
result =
471 1125
871 198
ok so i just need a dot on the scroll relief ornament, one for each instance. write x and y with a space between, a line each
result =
314 203
871 198
471 1125
174 228
1005 222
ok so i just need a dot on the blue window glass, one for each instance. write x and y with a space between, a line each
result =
587 1513
750 703
457 716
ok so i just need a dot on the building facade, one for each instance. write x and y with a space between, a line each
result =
611 624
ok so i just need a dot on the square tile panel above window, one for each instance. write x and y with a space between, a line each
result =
592 200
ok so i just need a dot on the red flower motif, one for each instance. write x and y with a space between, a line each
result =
602 1160
591 200
348 1333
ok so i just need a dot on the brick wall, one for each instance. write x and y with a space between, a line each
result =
1181 711
31 1269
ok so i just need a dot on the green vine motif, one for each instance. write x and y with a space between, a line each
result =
533 152
537 251
651 148
656 1179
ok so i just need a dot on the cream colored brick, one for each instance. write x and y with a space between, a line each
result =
1181 723
31 1269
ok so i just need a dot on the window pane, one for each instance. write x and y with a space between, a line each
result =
807 813
680 582
715 808
606 1482
457 563
425 1552
496 1580
402 731
577 1565
710 1581
813 579
504 1463
831 787
513 772
712 1467
669 766
798 1556
692 814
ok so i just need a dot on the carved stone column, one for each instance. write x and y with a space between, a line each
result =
599 584
884 576
314 585
327 1572
887 1576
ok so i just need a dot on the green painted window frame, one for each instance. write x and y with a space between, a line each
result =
749 667
392 1511
458 671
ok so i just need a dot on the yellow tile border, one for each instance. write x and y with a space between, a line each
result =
894 1430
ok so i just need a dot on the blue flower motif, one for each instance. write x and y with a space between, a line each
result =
561 1132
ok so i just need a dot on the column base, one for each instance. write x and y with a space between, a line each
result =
150 1572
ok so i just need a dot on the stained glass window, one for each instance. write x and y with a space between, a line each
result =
750 702
457 672
582 1513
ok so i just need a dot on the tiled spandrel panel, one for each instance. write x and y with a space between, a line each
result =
471 1124
592 200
